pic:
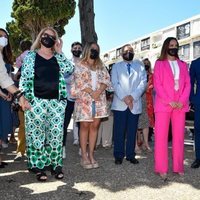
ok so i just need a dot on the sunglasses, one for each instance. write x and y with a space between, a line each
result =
50 36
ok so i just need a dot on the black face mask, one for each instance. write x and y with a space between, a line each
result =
147 67
128 56
94 54
47 42
172 51
76 53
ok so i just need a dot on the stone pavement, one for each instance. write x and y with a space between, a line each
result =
109 182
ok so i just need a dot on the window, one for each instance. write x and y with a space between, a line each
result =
184 52
145 44
118 52
196 27
183 31
196 49
136 46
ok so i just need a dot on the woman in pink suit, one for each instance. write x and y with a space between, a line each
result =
172 88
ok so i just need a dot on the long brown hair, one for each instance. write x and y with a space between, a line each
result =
7 50
165 48
86 55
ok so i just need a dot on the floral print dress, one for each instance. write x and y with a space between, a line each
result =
83 105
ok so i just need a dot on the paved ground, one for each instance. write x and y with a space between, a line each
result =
109 182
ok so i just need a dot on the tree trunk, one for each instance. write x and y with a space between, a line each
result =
86 12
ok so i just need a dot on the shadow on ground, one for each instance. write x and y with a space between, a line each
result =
17 183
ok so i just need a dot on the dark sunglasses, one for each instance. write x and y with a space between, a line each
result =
50 36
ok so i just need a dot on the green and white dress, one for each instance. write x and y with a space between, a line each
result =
44 122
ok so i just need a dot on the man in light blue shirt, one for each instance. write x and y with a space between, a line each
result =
129 81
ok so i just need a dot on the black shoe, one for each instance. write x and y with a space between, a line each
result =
118 161
133 160
196 164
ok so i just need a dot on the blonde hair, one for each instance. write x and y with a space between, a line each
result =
86 55
37 43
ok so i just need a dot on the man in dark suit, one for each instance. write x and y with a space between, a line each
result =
195 100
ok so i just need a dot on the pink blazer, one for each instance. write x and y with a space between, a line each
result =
164 86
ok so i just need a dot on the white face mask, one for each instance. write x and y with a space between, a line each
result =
3 41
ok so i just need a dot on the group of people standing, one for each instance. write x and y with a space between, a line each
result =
53 87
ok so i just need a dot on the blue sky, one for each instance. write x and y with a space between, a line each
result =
118 22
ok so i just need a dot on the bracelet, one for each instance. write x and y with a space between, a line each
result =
16 93
19 95
16 96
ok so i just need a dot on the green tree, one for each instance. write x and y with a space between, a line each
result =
30 16
87 24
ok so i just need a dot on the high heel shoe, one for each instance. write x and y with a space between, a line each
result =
147 148
138 150
163 176
181 174
95 165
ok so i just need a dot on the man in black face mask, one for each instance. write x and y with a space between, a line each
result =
129 82
76 49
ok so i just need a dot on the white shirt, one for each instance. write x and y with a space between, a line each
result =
94 79
176 73
5 80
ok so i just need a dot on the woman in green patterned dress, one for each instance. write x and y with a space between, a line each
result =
42 81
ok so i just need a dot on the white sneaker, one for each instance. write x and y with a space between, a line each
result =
64 153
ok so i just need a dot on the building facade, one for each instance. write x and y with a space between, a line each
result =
149 46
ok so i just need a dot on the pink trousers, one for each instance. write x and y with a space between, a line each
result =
162 121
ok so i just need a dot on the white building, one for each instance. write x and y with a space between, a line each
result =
149 46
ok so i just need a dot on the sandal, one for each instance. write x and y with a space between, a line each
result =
86 164
41 176
95 165
57 174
